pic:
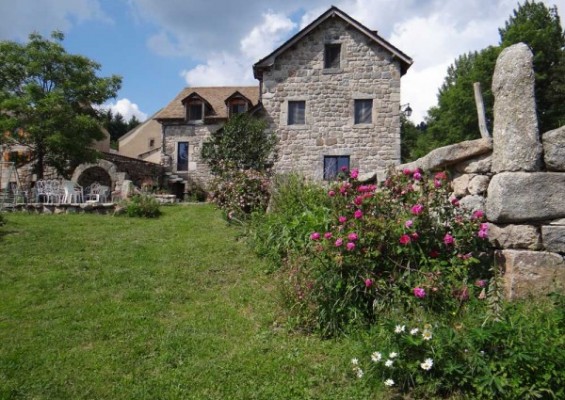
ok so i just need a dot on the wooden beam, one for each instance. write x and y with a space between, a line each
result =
481 111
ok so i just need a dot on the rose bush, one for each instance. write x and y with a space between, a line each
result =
415 247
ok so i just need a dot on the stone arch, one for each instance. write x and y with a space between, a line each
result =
103 171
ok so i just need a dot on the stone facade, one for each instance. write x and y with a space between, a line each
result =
521 187
366 71
198 171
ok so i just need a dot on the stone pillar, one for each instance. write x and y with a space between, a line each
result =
516 145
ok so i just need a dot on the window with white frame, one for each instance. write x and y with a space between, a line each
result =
296 112
363 111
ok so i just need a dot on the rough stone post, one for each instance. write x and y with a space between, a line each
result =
516 145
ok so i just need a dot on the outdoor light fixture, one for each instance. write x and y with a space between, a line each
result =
406 110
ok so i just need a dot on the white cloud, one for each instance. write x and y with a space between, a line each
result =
220 69
265 37
127 109
22 17
228 68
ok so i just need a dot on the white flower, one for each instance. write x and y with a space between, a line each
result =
427 335
389 382
392 355
388 363
376 356
359 373
399 328
427 364
354 361
414 331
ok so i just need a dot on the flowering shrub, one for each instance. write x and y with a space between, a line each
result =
521 356
403 243
142 205
240 192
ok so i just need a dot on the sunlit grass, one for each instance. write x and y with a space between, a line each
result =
102 307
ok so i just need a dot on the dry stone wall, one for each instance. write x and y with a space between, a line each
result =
518 178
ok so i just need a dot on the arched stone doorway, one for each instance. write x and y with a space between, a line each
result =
103 172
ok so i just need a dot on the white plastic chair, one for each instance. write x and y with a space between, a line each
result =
98 192
53 191
73 192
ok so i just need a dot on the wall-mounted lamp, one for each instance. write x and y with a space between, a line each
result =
406 110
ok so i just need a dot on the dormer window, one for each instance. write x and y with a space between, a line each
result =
237 107
195 110
332 56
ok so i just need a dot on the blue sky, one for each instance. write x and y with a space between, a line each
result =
161 46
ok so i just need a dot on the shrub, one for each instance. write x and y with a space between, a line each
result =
2 219
520 356
402 245
297 207
142 206
241 192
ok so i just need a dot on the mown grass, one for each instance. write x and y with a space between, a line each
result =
102 307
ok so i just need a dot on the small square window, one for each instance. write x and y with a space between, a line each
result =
296 112
237 108
332 55
364 111
151 143
195 112
333 165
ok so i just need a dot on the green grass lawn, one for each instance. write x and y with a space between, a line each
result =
102 307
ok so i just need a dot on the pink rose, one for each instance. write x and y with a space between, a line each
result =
358 214
417 176
408 224
350 246
342 219
415 236
407 171
419 292
358 200
455 202
481 283
448 239
437 183
368 283
354 173
417 209
331 193
328 235
352 237
315 236
478 214
338 242
440 176
405 239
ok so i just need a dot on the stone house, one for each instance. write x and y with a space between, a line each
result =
188 120
331 93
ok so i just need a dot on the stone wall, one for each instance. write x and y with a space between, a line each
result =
518 178
198 171
366 71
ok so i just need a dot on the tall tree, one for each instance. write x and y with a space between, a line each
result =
540 28
455 117
242 143
116 125
47 100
